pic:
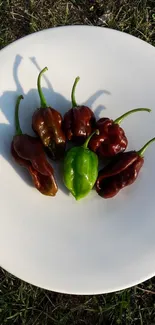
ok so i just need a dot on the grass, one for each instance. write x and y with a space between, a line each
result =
21 303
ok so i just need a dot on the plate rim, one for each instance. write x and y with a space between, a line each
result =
11 45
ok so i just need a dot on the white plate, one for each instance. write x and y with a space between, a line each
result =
94 245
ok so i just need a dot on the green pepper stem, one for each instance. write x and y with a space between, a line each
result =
74 103
41 95
85 145
142 150
121 118
17 124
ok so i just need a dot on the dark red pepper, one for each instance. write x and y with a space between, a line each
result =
28 152
120 172
111 139
47 124
79 121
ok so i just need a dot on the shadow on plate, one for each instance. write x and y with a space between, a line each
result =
27 107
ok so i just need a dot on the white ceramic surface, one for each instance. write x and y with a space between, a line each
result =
94 245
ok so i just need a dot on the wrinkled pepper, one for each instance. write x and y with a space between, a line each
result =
28 152
122 171
80 170
79 121
47 124
111 139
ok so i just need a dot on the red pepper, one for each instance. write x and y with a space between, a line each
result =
111 139
28 152
122 171
47 124
79 121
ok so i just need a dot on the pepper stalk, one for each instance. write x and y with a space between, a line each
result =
41 95
85 145
142 150
74 103
121 118
17 123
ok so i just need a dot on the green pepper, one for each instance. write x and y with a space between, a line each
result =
80 169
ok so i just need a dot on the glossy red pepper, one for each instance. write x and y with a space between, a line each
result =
122 171
47 124
111 139
28 152
79 121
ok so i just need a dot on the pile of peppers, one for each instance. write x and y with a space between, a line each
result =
93 141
